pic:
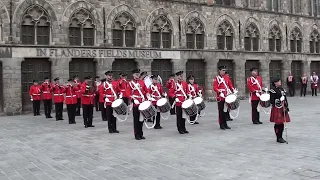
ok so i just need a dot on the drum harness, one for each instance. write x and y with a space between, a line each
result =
155 89
221 80
259 86
115 97
137 87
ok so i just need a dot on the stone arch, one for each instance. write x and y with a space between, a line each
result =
275 22
221 19
4 14
190 16
155 14
311 29
248 22
296 25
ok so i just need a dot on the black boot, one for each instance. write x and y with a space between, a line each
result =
226 125
255 122
280 139
222 126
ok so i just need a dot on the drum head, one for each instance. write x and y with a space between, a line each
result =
145 105
231 98
198 100
162 101
187 103
116 103
265 97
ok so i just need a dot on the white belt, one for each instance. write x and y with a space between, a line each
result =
58 94
179 95
123 90
221 89
71 96
46 92
87 95
36 94
136 96
109 95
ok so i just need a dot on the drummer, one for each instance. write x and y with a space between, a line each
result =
137 92
222 85
193 90
102 100
110 92
255 85
156 93
180 90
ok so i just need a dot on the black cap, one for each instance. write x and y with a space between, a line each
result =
46 78
108 73
88 77
75 76
179 73
123 74
254 69
70 80
143 73
135 71
35 81
97 77
222 67
154 76
103 80
56 79
191 76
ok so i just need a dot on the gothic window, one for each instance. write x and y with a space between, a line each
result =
251 39
296 6
295 40
195 34
314 7
314 41
273 5
225 36
226 2
161 32
124 30
35 26
275 39
82 29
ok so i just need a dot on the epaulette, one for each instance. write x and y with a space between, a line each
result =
272 91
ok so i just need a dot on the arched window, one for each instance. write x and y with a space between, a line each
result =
81 29
195 34
295 40
123 30
314 41
251 38
35 26
275 39
161 32
225 36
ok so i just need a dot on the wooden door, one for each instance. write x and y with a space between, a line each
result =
275 69
162 67
83 68
250 64
1 88
296 70
32 69
230 69
123 66
315 67
197 68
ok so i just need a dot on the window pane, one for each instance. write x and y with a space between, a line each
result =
298 45
229 42
275 5
220 42
130 38
255 44
155 39
293 46
269 5
271 44
200 41
311 47
317 47
190 41
117 37
75 36
43 35
219 2
315 13
166 40
278 45
247 43
88 36
27 34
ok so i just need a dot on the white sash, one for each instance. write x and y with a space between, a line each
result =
221 80
191 89
136 87
110 87
180 88
154 89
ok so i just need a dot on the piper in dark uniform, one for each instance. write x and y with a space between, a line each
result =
46 89
137 92
102 100
255 85
58 98
280 108
169 85
35 97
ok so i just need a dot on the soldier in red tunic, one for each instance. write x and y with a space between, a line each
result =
87 100
58 98
280 108
180 90
193 90
255 85
96 98
169 85
78 92
46 89
71 100
35 97
102 100
137 92
222 86
156 93
122 84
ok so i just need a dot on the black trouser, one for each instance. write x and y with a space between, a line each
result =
292 90
96 102
126 100
87 110
255 115
171 101
181 122
47 103
303 90
36 107
278 129
157 118
222 115
72 112
78 107
112 121
137 125
103 111
314 91
59 110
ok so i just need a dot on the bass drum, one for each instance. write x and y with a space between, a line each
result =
189 107
147 110
232 101
200 103
265 100
120 107
163 105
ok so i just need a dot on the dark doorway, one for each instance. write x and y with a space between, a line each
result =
123 66
83 68
162 67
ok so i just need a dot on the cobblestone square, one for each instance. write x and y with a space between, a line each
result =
38 148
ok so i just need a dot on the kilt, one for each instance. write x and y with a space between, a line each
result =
277 116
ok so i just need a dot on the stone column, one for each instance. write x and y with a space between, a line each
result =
179 65
264 71
286 68
103 65
306 67
60 68
144 65
211 73
240 76
12 96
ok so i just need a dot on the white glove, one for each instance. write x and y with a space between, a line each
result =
266 89
282 98
136 101
222 95
152 99
177 100
31 99
257 94
165 94
120 96
106 99
235 91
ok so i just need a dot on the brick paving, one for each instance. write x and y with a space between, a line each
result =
38 148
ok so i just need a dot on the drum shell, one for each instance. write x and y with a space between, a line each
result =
121 110
234 105
149 113
164 108
265 104
191 110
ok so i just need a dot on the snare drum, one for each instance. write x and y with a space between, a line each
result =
265 100
189 107
163 105
232 101
119 107
147 110
200 103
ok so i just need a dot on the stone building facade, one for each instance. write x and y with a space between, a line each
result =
88 37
